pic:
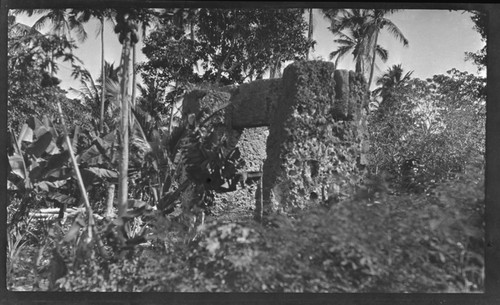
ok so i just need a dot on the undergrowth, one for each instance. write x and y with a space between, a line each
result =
398 243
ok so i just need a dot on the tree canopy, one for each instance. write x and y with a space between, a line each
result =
480 19
32 90
365 24
230 45
439 121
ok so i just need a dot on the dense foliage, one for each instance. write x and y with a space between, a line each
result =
365 25
480 19
439 122
407 244
384 235
32 87
231 45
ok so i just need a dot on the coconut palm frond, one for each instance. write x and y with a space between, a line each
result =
113 92
396 32
382 53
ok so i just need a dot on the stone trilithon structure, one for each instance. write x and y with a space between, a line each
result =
307 131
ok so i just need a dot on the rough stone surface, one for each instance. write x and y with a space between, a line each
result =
204 103
250 141
314 145
341 107
233 124
253 103
359 111
252 145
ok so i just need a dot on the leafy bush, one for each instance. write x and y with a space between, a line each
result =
406 243
440 122
410 243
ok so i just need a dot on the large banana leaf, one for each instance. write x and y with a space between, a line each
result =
55 163
62 198
47 185
26 135
44 138
17 165
93 175
100 151
35 124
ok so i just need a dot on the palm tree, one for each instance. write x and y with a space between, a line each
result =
52 46
310 30
21 36
84 16
353 44
144 17
63 24
367 24
125 29
353 20
91 90
378 22
391 80
20 30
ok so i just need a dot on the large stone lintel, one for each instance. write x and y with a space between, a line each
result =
253 103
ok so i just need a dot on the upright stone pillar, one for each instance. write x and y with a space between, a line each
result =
314 145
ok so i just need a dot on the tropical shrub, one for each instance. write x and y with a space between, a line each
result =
439 122
410 243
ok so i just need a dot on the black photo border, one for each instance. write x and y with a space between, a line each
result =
492 174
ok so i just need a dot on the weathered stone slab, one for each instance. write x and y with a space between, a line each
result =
316 144
341 109
205 102
313 148
252 103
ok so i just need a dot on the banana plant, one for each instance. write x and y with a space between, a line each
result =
39 162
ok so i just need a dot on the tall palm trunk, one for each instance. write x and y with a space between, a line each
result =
337 62
134 80
109 200
124 132
170 123
373 58
275 69
103 73
52 65
191 26
310 31
110 187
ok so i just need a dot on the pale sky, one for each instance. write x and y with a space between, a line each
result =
438 40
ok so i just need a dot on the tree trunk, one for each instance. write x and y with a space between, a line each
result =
171 117
171 112
124 132
103 73
110 196
191 25
51 65
373 59
363 57
310 32
223 63
272 70
134 82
